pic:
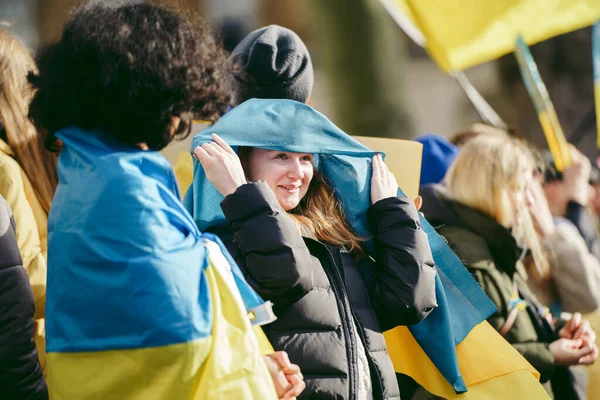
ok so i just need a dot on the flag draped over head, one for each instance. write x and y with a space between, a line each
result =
140 304
287 125
460 34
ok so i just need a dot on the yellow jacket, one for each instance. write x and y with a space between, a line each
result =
32 232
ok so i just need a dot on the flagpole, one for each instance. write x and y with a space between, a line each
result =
486 112
483 108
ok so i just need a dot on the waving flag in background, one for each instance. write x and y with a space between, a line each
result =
427 351
140 304
464 33
461 34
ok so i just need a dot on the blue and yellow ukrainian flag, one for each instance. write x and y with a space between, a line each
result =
460 34
453 350
140 304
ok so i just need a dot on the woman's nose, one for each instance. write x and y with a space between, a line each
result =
295 171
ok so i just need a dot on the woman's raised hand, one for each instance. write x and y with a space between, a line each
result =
221 164
383 182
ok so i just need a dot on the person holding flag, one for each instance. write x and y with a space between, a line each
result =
286 223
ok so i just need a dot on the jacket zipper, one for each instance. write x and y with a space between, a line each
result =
361 334
336 280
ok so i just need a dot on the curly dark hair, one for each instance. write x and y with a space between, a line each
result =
127 70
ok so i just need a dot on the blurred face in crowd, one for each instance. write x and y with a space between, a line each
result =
558 197
287 174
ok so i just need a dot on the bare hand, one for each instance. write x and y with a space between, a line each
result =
540 211
288 379
221 164
576 177
383 182
568 331
573 352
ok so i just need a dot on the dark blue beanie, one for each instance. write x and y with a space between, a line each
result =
438 155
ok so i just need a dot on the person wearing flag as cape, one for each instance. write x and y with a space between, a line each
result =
328 295
289 232
140 303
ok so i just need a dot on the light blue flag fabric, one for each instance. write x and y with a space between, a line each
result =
287 125
126 262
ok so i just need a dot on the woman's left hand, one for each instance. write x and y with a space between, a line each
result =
221 164
383 182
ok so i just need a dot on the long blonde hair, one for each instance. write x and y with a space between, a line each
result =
486 172
15 94
320 214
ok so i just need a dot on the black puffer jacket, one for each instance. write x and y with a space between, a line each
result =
20 374
322 293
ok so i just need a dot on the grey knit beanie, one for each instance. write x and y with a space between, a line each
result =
272 63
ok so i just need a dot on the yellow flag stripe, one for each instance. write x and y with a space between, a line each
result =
166 372
515 385
484 355
461 34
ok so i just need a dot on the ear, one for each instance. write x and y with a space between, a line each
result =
175 121
418 202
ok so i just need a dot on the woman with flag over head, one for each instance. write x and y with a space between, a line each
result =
289 218
485 216
140 304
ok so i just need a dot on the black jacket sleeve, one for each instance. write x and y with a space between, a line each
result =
402 283
581 217
20 374
272 253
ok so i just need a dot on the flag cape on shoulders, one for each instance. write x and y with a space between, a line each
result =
140 304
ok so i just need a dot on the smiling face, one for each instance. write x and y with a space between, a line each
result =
287 174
